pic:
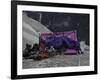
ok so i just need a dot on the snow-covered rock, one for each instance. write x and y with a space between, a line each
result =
83 46
31 29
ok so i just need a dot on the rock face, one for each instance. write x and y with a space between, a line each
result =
31 29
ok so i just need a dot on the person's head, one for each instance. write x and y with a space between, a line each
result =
51 47
36 44
28 45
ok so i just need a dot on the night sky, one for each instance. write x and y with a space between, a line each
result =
60 22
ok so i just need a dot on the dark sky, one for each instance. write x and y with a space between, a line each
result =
60 22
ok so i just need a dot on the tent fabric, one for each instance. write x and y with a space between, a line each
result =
66 39
69 43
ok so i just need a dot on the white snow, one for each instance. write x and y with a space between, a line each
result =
31 29
83 46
